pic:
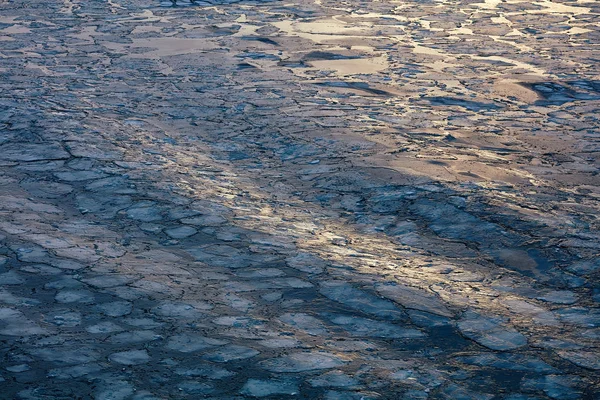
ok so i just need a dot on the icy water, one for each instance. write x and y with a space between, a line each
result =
303 199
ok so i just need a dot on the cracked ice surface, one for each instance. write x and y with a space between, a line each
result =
304 199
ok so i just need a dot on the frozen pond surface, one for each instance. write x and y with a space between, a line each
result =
305 199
